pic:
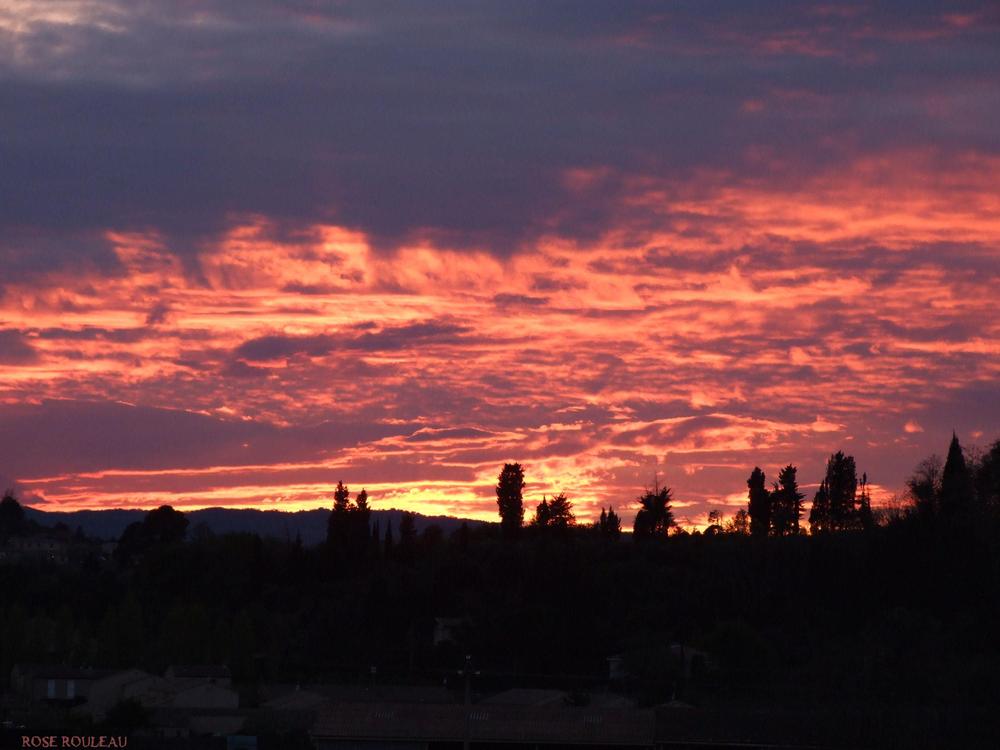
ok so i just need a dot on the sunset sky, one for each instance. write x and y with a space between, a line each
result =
249 248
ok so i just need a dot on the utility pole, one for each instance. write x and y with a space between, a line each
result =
467 673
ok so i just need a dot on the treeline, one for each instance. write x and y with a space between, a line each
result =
896 616
960 489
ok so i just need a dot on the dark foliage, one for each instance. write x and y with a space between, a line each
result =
161 527
835 507
874 622
759 505
12 520
555 515
609 525
786 503
655 517
956 493
510 487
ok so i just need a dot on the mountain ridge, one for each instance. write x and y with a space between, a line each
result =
310 525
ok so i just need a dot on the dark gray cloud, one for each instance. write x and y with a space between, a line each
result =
454 121
15 349
77 436
390 338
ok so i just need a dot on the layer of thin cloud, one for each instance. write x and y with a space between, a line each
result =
654 244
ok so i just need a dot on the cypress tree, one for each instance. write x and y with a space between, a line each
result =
956 482
759 504
510 486
819 515
786 503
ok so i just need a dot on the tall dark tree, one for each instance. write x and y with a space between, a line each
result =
956 482
360 531
819 514
361 502
835 507
510 488
759 505
842 484
338 531
609 525
541 513
341 498
655 516
348 532
786 503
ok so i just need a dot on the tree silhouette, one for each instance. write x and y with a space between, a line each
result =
541 513
341 498
165 525
924 486
819 514
359 518
162 526
338 530
12 520
739 523
842 483
866 518
347 533
714 523
956 482
835 507
786 503
759 504
561 512
655 517
510 486
609 525
987 479
361 501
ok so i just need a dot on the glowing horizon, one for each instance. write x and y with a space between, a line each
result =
234 282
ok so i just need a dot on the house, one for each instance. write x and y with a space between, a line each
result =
112 689
40 548
527 697
541 698
421 726
217 674
202 688
54 684
196 693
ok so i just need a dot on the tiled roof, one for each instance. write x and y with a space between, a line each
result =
210 671
59 672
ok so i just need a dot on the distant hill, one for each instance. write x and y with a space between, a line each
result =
310 524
